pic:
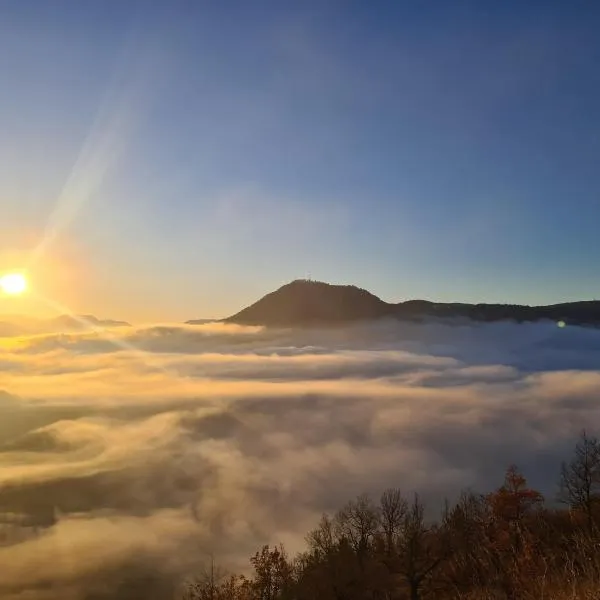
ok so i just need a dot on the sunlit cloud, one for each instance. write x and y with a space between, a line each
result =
248 434
105 334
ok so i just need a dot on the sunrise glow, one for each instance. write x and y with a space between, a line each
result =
13 284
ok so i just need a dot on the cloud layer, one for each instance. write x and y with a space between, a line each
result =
127 456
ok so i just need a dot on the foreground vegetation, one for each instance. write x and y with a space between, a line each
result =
503 545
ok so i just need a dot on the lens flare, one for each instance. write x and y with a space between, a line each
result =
13 284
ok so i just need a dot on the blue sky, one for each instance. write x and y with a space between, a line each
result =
180 159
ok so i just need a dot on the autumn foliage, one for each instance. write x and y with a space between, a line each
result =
508 544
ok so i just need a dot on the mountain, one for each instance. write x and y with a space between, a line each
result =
201 321
85 322
15 325
304 302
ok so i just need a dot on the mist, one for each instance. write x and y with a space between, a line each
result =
127 457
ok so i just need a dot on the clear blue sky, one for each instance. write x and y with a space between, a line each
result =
190 156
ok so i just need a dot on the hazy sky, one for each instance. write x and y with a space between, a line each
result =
180 159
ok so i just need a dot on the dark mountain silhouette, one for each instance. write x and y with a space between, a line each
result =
201 321
304 302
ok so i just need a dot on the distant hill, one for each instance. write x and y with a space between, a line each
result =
201 321
303 302
15 325
78 322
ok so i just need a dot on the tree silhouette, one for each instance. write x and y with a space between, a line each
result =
502 545
273 574
580 480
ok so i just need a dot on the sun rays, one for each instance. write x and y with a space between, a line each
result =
103 149
13 284
102 153
146 358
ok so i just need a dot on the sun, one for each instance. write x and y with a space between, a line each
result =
13 284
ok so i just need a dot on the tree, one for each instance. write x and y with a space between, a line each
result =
513 500
213 583
504 544
330 568
205 585
273 573
358 523
466 523
580 480
421 548
392 510
512 542
322 540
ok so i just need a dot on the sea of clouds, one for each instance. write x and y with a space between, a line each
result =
128 456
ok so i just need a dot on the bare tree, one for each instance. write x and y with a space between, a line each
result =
205 586
322 540
422 548
358 523
580 479
393 508
465 524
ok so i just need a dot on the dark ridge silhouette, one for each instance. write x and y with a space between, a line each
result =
201 321
305 302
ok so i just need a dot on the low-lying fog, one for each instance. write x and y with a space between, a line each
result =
129 458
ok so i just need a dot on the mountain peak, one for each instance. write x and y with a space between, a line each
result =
307 302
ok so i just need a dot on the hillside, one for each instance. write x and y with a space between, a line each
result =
304 302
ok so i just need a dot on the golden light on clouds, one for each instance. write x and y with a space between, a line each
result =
13 284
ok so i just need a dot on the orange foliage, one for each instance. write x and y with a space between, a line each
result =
514 500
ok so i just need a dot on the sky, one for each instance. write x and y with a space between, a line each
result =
177 160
